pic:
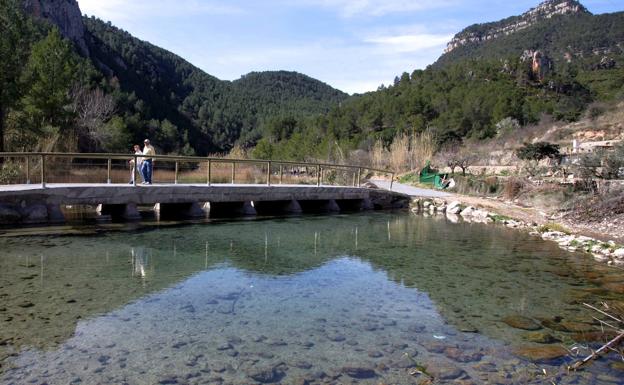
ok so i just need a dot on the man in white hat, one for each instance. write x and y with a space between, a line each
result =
147 165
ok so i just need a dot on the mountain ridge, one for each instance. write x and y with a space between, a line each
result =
482 32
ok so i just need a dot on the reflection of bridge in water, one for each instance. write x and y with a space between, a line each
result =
39 187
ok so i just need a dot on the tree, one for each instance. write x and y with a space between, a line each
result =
49 76
263 150
92 108
466 158
449 156
14 48
538 151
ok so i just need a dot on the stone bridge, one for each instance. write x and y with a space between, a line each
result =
28 203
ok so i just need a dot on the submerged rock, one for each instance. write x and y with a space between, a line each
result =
264 375
541 353
359 372
540 337
521 322
444 370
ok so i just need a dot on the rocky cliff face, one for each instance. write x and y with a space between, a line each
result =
483 32
65 14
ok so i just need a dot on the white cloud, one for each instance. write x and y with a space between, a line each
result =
410 43
122 10
350 8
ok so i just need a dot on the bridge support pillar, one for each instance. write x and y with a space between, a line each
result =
354 204
293 207
230 209
367 204
319 206
128 211
277 207
181 210
55 215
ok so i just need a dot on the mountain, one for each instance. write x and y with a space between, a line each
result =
562 30
217 113
554 60
480 33
159 94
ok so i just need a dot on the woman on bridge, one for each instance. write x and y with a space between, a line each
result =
134 168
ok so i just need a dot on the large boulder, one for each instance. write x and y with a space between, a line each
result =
453 207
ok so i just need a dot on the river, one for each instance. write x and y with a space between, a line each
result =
362 298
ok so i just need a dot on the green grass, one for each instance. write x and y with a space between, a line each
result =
500 218
553 227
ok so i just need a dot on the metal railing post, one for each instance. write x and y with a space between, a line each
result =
108 171
268 173
233 171
318 174
43 174
359 176
391 180
209 171
27 170
175 175
281 173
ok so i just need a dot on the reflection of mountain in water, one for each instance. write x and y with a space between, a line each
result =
474 273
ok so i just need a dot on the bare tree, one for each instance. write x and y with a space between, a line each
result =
92 108
467 157
449 156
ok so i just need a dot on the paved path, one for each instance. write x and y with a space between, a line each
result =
411 190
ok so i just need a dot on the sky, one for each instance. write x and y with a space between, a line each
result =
353 45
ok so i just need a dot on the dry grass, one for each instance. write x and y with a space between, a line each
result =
405 153
513 187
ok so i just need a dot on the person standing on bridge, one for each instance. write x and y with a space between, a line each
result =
148 163
135 167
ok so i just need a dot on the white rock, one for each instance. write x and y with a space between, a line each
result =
619 253
481 214
452 217
467 212
597 249
600 257
453 210
454 204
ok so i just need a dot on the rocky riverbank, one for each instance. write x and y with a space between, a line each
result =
455 210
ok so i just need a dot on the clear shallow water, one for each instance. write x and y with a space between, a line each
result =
340 299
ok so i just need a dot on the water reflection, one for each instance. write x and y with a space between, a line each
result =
352 269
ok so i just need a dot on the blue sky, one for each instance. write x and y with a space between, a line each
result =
353 45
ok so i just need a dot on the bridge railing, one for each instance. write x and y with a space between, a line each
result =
54 167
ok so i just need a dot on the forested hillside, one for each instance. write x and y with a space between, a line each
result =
555 60
106 89
210 113
116 89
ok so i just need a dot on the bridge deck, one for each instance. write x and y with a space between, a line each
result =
172 193
32 203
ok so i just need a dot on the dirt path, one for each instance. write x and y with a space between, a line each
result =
609 229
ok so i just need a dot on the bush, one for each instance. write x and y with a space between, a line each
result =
513 187
538 151
9 173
